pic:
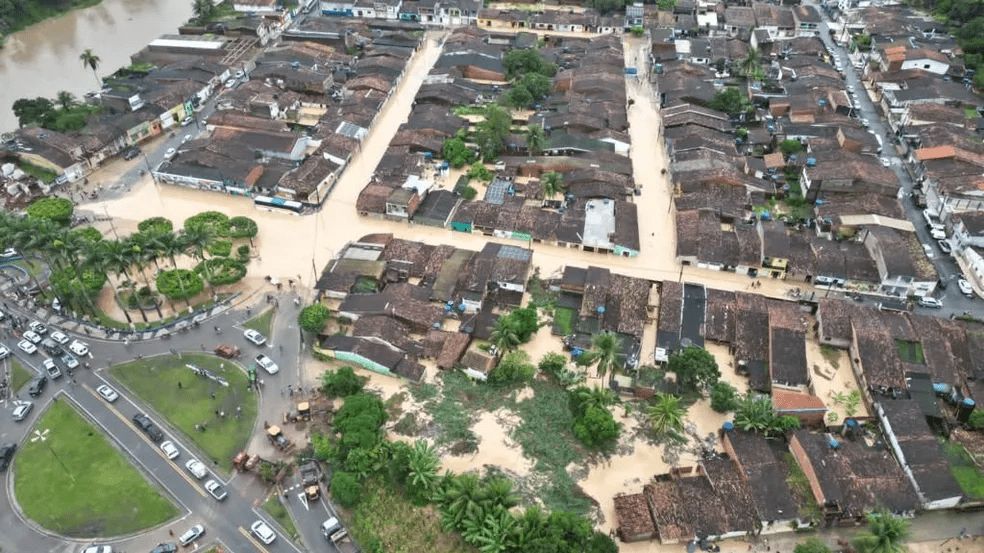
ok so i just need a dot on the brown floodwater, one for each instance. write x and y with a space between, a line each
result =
44 58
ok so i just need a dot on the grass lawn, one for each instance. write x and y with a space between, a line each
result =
76 484
963 469
384 520
19 375
276 509
563 320
33 267
156 380
262 323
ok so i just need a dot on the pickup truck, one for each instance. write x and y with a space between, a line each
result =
334 532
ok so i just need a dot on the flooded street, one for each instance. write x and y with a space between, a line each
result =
44 58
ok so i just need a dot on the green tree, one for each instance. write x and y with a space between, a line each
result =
52 208
342 382
460 499
731 100
65 99
492 131
552 363
505 335
605 347
537 84
243 227
790 147
422 477
156 225
514 368
313 317
456 153
583 397
976 420
606 6
812 545
521 61
751 62
535 140
519 97
204 10
666 414
886 533
92 61
551 184
724 397
478 171
695 369
345 489
596 428
32 111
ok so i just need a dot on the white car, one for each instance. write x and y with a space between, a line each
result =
169 153
171 451
262 532
98 549
268 365
59 337
932 303
78 348
107 393
254 337
937 234
196 468
38 326
4 352
186 138
192 534
231 83
22 409
9 253
51 369
27 347
215 490
32 336
965 288
70 361
885 161
864 123
850 88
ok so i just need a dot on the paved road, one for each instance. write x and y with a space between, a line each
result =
954 303
225 522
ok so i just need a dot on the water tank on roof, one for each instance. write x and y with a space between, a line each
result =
941 388
811 162
964 409
728 426
600 309
822 101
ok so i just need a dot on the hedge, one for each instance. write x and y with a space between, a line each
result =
179 284
221 270
217 223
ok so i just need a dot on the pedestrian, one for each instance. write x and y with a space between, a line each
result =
281 346
170 532
213 395
216 412
203 347
179 384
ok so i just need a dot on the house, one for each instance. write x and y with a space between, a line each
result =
372 355
57 152
807 20
903 268
759 461
635 520
808 408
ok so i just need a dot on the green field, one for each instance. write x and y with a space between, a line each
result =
155 380
262 323
19 375
76 484
276 509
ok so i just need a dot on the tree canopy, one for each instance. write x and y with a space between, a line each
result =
521 61
342 383
57 210
695 368
492 131
732 101
313 317
456 153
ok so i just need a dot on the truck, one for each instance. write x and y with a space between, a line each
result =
277 438
334 532
310 479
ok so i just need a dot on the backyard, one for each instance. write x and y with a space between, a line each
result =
965 471
203 409
98 492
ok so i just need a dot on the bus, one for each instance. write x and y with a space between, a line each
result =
267 202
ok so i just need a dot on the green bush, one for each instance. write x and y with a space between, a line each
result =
156 225
221 270
242 253
54 209
217 223
242 227
88 234
724 397
976 420
513 368
66 283
553 364
596 428
478 172
456 153
219 247
342 383
469 193
179 284
313 317
346 489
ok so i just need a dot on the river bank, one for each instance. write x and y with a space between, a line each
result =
31 13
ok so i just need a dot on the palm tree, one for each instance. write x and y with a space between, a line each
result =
551 184
666 414
583 398
460 500
92 61
530 528
195 241
886 533
168 245
117 258
422 478
751 61
65 99
492 533
605 348
203 10
534 140
141 256
499 493
504 336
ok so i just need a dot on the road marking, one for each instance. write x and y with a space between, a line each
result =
126 421
252 540
303 497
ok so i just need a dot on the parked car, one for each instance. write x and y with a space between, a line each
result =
51 369
98 549
170 450
144 423
191 534
965 288
215 490
38 326
864 122
27 347
196 468
36 386
6 454
169 153
79 348
931 303
4 352
32 336
944 246
50 347
268 365
255 337
231 83
107 393
131 153
885 161
937 234
22 409
164 548
186 138
9 253
187 121
70 361
59 337
262 532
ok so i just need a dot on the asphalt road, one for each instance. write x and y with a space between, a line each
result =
226 522
954 303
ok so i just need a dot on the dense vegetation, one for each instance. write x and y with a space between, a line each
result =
18 14
965 19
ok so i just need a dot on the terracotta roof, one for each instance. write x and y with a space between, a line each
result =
939 152
774 160
786 400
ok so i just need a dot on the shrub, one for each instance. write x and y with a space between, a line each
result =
242 253
976 420
469 193
242 227
156 225
478 172
724 397
596 428
217 223
553 364
342 383
219 247
513 368
221 270
179 284
65 282
58 210
88 234
456 153
346 489
313 317
695 368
